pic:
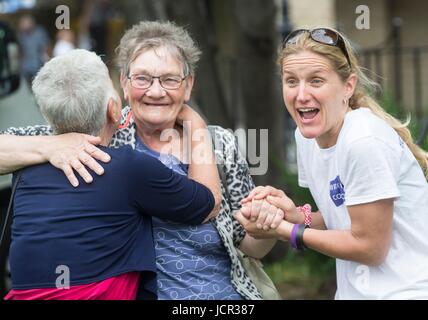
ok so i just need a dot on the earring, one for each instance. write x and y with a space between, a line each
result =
345 101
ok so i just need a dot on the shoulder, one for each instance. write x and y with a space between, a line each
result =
363 125
222 135
38 130
125 135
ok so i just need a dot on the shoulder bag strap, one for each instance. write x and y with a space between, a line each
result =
8 219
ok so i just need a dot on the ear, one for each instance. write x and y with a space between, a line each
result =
124 82
113 112
350 85
189 86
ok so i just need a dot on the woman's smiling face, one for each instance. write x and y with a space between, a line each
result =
155 106
315 96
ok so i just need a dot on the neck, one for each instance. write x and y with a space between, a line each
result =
106 135
152 135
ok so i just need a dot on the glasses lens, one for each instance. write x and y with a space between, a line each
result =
326 36
293 37
141 81
171 82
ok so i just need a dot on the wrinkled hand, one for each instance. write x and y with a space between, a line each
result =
75 151
264 214
257 233
278 199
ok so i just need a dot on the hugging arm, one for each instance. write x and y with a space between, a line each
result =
69 152
161 192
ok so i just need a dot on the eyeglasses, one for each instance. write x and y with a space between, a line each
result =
145 81
322 35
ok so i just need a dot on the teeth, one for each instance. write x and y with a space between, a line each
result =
307 110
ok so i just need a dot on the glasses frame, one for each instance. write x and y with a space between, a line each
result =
153 79
338 42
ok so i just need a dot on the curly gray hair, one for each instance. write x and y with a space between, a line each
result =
153 34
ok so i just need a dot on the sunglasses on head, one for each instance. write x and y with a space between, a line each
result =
322 35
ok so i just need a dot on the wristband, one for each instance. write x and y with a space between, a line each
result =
306 211
293 236
299 237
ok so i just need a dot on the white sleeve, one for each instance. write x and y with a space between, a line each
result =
370 171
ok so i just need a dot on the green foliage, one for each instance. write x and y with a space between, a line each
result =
306 275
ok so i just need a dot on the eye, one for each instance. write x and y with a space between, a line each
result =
171 79
317 81
291 82
142 77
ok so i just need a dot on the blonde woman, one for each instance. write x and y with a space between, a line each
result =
363 170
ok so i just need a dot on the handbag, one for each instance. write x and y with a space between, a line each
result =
254 269
252 266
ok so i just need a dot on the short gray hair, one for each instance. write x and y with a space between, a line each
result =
73 91
154 34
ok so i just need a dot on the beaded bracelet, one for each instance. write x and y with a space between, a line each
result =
306 211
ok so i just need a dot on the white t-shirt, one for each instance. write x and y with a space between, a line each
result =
370 162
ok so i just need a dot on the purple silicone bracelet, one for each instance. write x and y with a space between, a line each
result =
293 236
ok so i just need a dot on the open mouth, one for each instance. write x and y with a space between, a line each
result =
308 113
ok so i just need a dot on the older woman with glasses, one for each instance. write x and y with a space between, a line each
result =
363 169
157 63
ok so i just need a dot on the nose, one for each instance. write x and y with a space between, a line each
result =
155 90
302 94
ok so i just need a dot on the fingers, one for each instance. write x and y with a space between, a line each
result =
251 194
246 212
262 192
97 153
263 215
92 139
68 171
278 217
268 190
271 215
255 209
81 170
89 161
241 219
284 203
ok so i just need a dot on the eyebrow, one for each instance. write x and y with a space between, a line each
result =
145 71
312 72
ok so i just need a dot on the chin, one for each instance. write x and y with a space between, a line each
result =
309 133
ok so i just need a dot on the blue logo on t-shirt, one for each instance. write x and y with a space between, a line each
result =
337 191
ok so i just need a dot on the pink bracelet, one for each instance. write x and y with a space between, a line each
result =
306 210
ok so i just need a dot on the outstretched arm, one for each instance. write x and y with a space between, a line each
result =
67 152
366 242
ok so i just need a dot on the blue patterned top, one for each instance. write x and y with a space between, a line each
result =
191 261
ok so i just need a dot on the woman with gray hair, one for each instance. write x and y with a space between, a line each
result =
98 237
157 61
157 64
